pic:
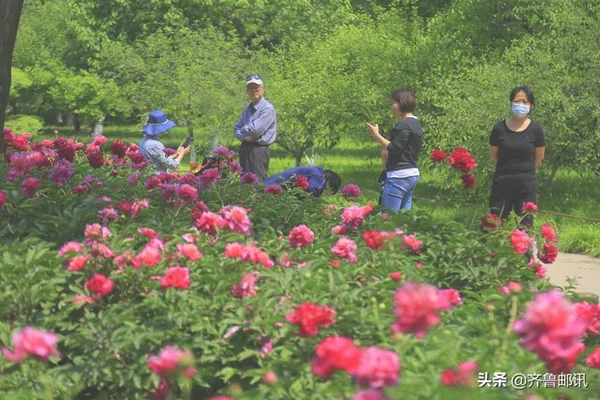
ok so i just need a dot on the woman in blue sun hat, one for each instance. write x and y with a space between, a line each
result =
152 148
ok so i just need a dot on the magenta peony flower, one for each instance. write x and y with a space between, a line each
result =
350 190
187 193
249 178
32 342
274 189
552 329
29 187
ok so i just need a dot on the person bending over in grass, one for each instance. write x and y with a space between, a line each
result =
318 179
152 148
517 147
400 152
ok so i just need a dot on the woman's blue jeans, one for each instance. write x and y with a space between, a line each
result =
397 193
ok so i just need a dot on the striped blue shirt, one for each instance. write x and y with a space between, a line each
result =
152 150
257 120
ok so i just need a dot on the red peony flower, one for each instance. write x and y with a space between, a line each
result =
462 160
416 307
336 353
100 285
118 148
463 375
95 159
468 181
549 254
438 155
593 360
549 234
591 314
396 276
301 182
176 277
301 236
309 317
490 222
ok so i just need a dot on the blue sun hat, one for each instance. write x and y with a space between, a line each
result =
157 123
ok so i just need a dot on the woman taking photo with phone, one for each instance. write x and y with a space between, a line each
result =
152 148
400 152
517 147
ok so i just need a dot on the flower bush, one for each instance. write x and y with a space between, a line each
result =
138 285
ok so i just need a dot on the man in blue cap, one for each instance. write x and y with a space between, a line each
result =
256 129
152 148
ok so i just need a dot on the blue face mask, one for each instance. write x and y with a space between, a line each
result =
520 110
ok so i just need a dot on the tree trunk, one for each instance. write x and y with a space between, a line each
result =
76 124
298 157
10 14
98 127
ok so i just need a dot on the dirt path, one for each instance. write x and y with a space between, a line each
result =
586 268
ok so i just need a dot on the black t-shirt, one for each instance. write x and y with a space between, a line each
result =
516 150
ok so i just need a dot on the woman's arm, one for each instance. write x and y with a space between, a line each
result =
540 152
494 154
374 131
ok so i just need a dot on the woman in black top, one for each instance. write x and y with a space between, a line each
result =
517 148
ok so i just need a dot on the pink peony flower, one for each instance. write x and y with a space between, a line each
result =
209 223
74 247
369 395
3 198
274 189
83 299
549 234
463 375
552 329
309 317
336 353
100 285
377 368
520 241
591 314
344 248
170 362
529 207
416 307
96 232
246 287
449 298
301 236
189 251
411 242
108 213
148 232
237 219
32 342
176 277
150 256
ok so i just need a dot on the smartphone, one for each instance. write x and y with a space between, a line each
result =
187 142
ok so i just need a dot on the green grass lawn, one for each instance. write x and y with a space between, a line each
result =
572 193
